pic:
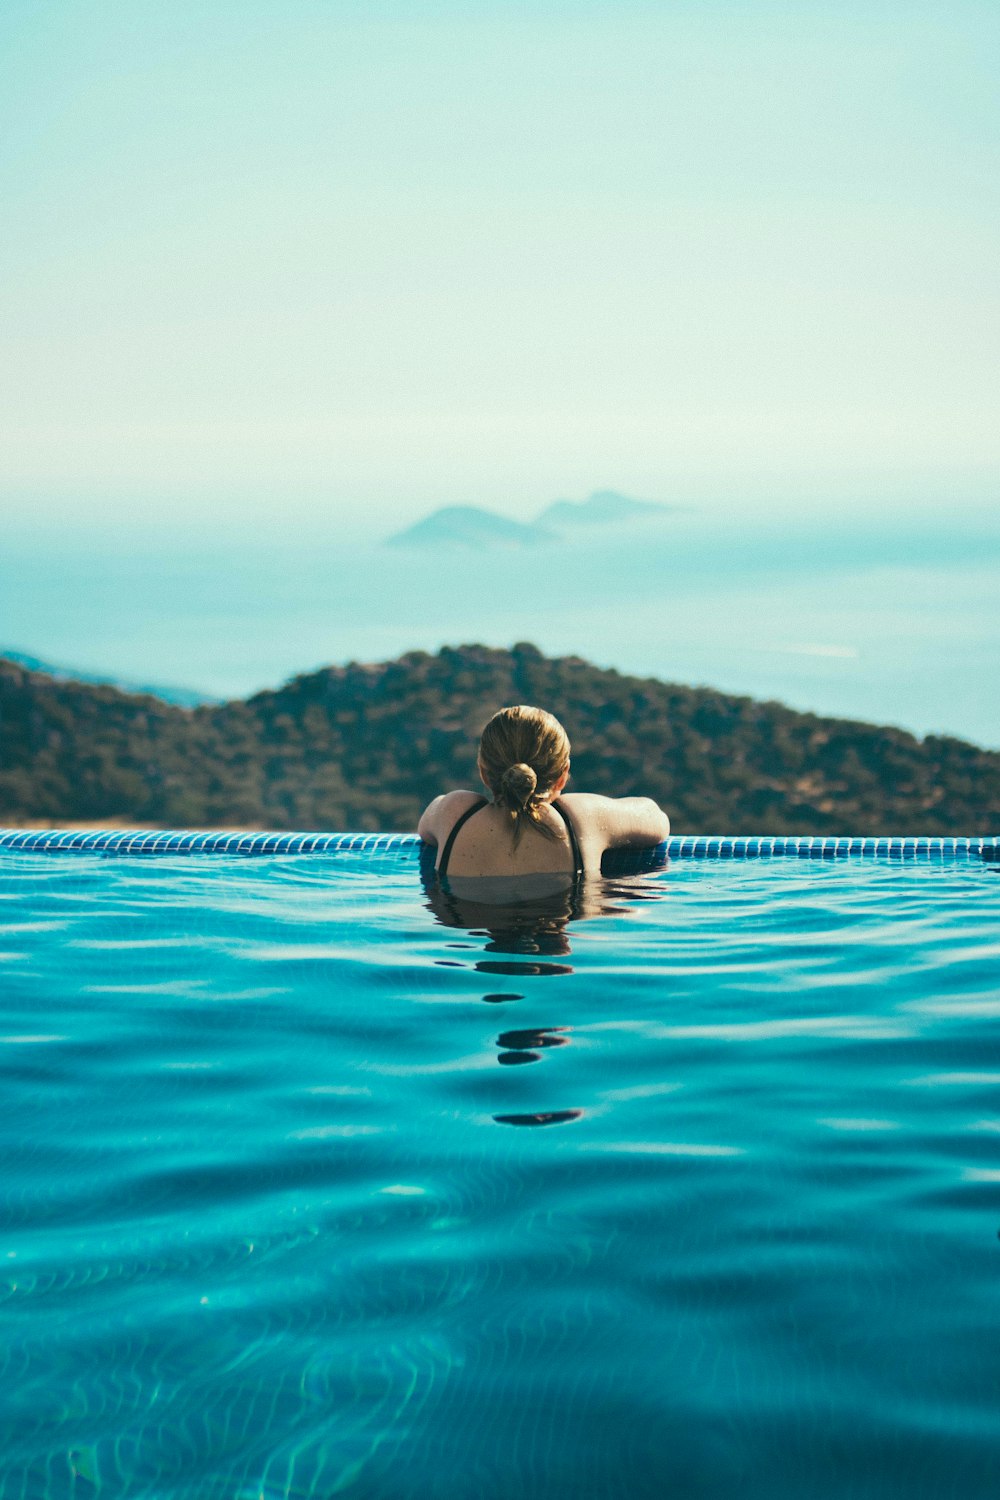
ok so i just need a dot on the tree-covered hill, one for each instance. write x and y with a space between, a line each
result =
366 746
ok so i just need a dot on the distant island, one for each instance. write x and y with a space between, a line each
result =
468 526
473 527
602 508
367 745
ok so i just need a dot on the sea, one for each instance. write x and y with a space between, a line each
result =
860 616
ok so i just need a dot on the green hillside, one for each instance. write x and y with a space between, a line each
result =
366 746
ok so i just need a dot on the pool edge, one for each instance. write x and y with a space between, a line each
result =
137 841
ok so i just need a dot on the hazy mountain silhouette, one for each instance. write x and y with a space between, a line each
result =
468 526
183 697
602 508
472 526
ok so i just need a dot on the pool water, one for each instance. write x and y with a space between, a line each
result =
312 1187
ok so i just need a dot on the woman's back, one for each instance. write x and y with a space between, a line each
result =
479 841
483 844
527 830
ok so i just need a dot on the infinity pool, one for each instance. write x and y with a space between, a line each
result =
312 1186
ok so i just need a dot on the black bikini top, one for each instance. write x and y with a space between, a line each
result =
483 802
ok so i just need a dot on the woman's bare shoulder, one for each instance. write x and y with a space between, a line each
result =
438 816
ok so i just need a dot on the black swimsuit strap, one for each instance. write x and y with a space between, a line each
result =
574 843
459 822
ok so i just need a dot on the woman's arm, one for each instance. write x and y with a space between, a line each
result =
616 821
636 820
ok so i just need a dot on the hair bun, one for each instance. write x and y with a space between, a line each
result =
518 783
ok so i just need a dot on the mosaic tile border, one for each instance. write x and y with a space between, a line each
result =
135 841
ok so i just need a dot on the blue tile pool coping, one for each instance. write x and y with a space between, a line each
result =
137 841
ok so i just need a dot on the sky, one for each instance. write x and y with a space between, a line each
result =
353 261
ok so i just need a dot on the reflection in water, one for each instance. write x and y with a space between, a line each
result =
519 970
544 1036
518 1046
526 918
529 923
532 931
541 1117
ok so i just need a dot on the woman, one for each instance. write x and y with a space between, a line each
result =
526 837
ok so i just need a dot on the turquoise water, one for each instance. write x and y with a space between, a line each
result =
307 1192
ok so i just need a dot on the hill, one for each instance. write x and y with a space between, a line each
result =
602 508
471 526
366 746
468 526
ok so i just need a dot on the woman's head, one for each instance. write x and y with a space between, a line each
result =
524 761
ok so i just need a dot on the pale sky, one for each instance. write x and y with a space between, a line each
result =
371 258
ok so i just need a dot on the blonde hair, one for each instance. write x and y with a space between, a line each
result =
522 754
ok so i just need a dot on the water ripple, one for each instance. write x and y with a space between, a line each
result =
289 1211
